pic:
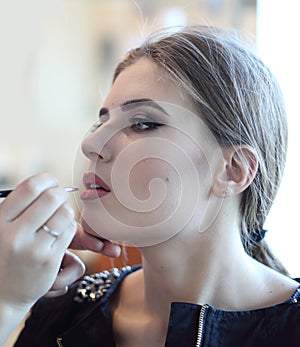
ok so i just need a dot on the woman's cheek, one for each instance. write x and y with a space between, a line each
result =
153 182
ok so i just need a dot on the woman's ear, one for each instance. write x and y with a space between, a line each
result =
236 172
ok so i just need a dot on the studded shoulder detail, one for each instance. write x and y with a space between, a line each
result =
93 287
295 298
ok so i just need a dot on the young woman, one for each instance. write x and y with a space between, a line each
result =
36 227
185 163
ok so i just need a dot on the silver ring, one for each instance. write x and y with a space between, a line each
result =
50 231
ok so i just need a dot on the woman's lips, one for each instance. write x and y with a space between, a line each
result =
95 187
91 194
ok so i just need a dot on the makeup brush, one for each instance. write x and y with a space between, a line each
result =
5 193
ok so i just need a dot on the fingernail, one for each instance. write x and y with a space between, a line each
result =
101 244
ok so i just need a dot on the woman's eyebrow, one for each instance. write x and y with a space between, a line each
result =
130 104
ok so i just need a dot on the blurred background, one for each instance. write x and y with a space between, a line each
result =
56 64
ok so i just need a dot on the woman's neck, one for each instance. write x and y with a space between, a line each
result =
191 269
212 270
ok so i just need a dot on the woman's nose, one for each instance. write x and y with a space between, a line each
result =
95 149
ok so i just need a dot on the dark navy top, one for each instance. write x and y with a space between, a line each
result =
82 318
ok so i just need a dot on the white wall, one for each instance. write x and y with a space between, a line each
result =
44 107
278 45
56 64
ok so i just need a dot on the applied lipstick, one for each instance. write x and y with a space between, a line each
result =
95 187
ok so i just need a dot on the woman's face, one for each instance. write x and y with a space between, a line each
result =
151 162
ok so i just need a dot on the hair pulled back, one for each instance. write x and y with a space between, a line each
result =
239 100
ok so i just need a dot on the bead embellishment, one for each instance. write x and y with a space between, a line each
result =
93 287
295 298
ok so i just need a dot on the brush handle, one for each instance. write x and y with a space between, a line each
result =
6 192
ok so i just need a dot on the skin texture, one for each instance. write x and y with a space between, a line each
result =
207 253
32 262
171 158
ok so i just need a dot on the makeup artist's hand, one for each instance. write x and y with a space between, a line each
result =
32 258
81 241
84 241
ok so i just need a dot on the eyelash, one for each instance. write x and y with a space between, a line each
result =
150 125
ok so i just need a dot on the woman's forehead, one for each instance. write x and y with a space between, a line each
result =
145 80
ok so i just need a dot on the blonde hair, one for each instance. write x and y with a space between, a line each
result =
240 101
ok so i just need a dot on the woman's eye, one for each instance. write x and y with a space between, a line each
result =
140 126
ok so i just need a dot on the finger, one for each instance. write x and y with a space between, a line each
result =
45 238
84 241
55 247
110 249
61 243
56 293
57 224
42 208
25 193
62 217
72 268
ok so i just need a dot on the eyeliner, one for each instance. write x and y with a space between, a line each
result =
5 193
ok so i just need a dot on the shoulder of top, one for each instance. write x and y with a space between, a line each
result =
295 298
93 287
